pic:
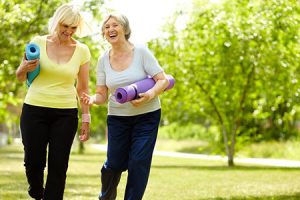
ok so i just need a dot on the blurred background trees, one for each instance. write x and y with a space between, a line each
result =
236 65
20 22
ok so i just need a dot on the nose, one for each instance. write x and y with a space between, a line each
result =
111 28
69 30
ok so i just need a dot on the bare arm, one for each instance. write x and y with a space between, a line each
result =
82 87
101 95
161 84
99 98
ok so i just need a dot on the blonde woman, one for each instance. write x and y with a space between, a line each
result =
132 126
50 115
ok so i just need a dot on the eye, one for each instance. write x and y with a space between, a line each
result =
74 27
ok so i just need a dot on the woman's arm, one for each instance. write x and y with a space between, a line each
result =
24 67
82 87
99 98
161 84
101 95
101 90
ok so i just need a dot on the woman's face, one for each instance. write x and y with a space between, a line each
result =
65 31
114 31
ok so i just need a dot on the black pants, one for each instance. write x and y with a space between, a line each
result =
55 128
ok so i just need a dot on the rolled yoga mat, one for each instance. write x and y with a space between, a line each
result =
130 92
32 51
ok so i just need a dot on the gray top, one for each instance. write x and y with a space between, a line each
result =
143 64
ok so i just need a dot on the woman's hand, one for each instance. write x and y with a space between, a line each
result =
26 66
84 132
30 65
86 99
143 98
161 83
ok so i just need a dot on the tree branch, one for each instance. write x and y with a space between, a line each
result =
241 108
37 14
212 102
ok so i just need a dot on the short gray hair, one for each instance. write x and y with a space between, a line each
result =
122 19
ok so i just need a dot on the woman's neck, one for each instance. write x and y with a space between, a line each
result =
121 48
61 42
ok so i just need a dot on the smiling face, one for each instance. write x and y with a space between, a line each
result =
65 31
114 31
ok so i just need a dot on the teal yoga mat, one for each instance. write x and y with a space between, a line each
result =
32 51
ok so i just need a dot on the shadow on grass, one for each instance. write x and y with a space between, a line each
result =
10 150
295 196
99 159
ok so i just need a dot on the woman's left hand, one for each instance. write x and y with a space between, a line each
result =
84 132
143 98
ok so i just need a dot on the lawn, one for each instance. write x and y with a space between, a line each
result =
170 179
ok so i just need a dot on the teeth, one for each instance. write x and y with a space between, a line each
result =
112 34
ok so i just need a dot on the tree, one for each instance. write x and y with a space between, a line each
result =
20 21
236 64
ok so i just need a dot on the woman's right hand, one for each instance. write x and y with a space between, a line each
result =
29 65
86 99
26 66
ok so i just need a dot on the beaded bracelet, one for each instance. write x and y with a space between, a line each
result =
86 118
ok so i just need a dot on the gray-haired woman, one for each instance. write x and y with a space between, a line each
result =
132 126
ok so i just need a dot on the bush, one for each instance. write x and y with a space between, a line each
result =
189 131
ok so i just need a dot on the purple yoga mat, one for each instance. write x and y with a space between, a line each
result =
130 92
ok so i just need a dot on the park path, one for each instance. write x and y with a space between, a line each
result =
256 161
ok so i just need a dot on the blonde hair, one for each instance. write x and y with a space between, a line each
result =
69 14
122 19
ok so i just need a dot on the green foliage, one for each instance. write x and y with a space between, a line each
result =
189 131
20 21
288 150
206 138
237 65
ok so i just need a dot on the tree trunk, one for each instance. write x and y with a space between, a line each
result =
230 160
229 147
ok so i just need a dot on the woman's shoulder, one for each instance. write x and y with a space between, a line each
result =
104 54
140 47
39 38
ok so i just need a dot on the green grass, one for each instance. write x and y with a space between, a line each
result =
170 179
